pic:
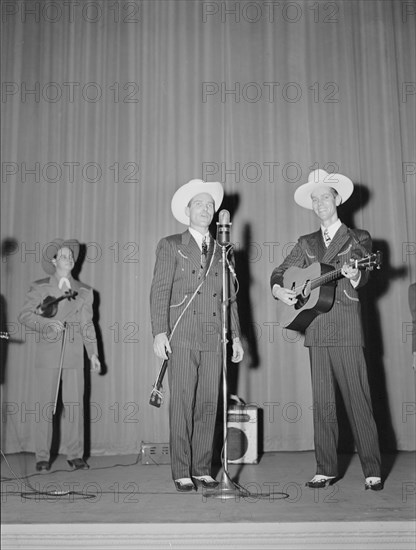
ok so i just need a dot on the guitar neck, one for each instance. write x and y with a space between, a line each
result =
365 263
326 278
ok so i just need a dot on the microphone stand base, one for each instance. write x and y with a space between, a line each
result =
225 490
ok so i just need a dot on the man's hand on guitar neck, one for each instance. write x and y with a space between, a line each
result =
351 272
285 295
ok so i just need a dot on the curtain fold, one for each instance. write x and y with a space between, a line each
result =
110 107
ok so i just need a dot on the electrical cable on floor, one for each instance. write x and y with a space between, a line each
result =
278 495
35 493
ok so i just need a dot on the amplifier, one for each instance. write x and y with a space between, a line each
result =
242 434
155 453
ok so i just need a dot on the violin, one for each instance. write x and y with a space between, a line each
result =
49 307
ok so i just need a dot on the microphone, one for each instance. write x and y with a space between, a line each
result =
223 228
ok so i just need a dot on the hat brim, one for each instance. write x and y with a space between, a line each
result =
343 185
51 250
184 194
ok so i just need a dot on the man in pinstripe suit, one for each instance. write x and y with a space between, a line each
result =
185 304
412 306
335 338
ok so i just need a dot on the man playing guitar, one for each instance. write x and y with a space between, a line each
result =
334 336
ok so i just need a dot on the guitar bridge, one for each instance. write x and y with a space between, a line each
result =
301 301
303 297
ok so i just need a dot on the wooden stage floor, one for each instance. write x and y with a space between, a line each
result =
121 503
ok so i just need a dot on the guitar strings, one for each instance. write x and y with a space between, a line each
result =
331 275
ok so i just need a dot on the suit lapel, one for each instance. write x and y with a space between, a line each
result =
316 244
213 250
340 238
191 249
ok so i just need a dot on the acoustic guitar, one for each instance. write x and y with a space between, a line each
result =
315 290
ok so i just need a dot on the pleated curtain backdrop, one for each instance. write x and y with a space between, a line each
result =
108 107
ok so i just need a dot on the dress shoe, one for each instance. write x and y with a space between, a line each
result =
78 464
374 484
43 466
206 481
320 481
184 485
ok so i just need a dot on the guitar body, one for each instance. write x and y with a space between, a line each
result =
320 300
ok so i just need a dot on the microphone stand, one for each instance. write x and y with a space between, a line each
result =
226 489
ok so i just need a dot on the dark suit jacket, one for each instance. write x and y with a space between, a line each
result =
176 275
341 325
76 312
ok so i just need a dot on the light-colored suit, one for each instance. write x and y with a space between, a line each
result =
194 367
80 333
335 340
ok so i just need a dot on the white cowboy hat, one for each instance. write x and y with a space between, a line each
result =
184 194
319 178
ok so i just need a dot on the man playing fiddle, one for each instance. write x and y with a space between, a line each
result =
56 305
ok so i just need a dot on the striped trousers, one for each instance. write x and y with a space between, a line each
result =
194 382
345 366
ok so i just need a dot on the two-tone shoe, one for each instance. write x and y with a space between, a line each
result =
320 481
374 484
184 485
207 482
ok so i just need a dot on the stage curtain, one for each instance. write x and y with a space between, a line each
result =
108 107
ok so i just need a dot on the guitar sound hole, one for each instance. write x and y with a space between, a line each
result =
301 301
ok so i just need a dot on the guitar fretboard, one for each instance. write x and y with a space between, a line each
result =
365 263
324 279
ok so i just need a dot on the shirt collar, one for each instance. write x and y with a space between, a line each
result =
198 237
332 229
62 281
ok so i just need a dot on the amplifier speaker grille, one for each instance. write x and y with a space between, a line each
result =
242 433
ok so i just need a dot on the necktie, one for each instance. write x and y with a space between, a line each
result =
204 252
327 238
